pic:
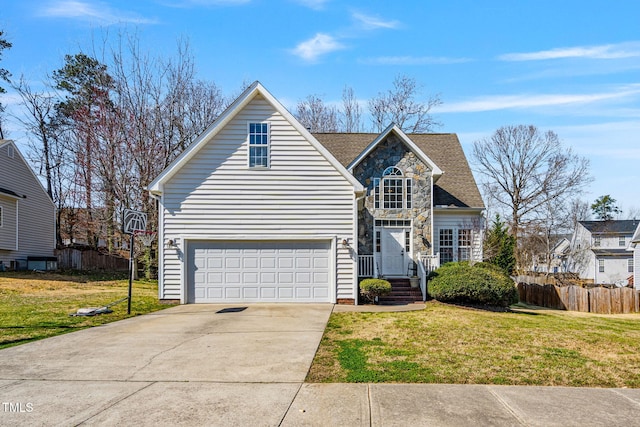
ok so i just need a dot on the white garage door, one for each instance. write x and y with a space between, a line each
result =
257 271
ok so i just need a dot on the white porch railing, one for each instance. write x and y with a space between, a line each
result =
366 266
426 264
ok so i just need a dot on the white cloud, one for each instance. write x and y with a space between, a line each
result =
372 22
321 44
96 11
412 60
608 51
205 3
523 101
313 4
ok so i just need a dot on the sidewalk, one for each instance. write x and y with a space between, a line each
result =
461 405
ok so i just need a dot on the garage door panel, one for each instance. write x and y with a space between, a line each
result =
258 271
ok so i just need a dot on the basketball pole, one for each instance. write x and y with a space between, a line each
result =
131 241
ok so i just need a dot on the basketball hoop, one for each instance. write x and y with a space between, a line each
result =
145 236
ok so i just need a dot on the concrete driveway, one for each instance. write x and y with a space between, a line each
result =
241 364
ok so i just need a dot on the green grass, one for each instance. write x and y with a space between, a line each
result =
38 305
449 344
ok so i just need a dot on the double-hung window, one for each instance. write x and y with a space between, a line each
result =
259 145
393 191
630 265
622 241
446 245
464 244
601 266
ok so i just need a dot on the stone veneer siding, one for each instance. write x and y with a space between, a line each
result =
393 152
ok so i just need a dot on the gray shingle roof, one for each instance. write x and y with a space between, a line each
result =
625 226
457 185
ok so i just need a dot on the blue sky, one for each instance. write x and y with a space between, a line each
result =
570 66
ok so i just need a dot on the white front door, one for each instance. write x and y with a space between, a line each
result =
393 253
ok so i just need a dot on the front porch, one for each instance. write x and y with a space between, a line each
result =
425 264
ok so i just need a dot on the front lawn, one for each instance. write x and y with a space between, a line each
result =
37 305
449 344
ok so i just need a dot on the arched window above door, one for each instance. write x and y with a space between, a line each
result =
392 171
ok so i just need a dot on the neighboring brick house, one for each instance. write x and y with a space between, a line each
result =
600 251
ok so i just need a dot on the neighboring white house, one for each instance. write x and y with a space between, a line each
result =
27 215
258 209
599 251
635 248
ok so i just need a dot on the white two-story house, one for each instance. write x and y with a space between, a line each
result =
600 251
258 209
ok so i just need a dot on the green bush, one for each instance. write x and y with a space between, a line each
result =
477 284
371 288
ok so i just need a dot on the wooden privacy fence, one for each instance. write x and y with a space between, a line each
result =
75 259
575 298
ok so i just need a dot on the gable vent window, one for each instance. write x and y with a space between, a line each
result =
259 145
10 151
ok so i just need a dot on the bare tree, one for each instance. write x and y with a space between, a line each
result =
316 116
526 169
38 121
4 75
351 115
400 105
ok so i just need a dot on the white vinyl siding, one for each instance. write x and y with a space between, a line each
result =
8 225
461 247
300 196
29 221
636 266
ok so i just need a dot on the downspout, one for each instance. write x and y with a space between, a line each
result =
432 213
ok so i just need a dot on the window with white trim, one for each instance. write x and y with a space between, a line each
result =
601 265
622 241
378 248
464 244
394 189
259 145
596 240
10 151
446 245
630 265
407 241
376 193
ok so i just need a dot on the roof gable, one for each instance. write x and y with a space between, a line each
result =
635 240
18 157
156 186
456 187
436 171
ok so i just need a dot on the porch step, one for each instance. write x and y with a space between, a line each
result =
401 293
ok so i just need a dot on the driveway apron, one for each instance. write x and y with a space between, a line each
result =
238 363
